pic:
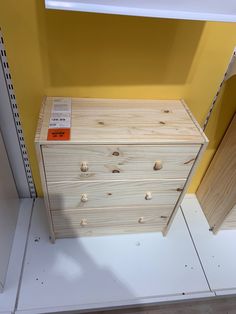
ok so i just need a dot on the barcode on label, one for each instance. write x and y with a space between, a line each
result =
61 108
61 105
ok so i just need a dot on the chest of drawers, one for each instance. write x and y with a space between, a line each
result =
125 168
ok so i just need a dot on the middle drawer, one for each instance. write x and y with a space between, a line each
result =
71 195
122 162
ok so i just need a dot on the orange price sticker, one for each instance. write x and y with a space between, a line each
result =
60 134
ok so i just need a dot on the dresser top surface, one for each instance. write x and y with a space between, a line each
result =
111 121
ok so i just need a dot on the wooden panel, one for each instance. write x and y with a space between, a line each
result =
108 121
230 220
68 195
187 183
95 222
216 192
222 305
197 125
63 162
45 189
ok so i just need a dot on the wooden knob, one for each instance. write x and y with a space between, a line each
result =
157 165
84 166
148 196
83 222
141 220
84 198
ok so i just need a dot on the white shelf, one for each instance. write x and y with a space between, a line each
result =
205 10
217 252
134 269
9 296
103 272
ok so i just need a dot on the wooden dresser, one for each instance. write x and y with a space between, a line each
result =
125 168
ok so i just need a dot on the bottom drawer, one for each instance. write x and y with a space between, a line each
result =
95 222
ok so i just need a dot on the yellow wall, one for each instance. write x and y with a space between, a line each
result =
20 30
91 55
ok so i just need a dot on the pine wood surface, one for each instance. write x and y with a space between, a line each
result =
45 190
216 193
134 156
185 188
67 195
109 221
230 220
216 305
197 125
109 121
63 162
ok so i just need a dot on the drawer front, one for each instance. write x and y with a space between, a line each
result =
93 222
108 162
71 195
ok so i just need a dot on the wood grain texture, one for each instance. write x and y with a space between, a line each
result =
230 221
40 121
109 121
216 305
67 195
195 121
63 162
69 223
217 193
42 169
45 190
185 188
134 154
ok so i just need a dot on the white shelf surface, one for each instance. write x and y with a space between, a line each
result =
9 295
217 252
104 272
205 10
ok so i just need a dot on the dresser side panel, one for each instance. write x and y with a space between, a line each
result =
45 189
188 181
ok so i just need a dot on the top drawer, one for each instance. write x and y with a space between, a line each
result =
111 162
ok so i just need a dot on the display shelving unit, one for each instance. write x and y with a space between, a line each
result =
203 10
204 267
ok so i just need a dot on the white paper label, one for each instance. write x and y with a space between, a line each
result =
61 113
